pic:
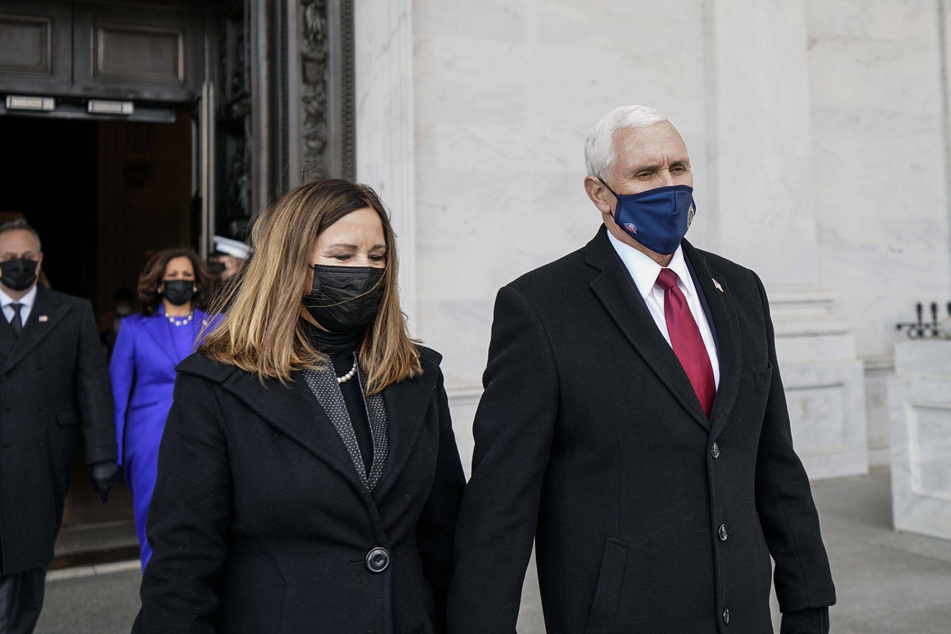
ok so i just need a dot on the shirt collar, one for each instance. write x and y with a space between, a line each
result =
26 300
645 271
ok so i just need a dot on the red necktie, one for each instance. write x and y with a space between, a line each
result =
686 341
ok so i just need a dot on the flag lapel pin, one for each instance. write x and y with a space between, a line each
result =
43 318
717 284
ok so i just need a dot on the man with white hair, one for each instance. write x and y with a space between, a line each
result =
634 426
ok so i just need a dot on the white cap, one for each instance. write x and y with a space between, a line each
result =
234 248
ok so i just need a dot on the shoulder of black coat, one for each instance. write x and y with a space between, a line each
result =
200 365
429 357
725 267
56 297
554 274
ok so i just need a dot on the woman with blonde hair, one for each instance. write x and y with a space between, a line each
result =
308 478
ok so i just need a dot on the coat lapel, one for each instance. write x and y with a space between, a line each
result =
406 403
617 291
296 412
727 333
620 296
46 314
158 330
7 338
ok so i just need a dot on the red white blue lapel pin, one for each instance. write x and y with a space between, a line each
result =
43 318
717 284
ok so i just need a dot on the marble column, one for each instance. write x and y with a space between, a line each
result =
763 215
385 157
919 405
879 81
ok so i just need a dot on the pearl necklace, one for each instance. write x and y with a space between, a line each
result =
180 322
349 375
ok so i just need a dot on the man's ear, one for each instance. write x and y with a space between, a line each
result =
599 194
39 263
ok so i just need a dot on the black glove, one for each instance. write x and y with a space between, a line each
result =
105 476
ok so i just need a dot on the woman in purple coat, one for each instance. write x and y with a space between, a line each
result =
173 288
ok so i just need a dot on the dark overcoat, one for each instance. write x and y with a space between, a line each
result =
260 523
647 516
53 382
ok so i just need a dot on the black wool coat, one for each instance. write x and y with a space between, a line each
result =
53 383
647 516
259 522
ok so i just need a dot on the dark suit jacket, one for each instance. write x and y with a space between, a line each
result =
590 439
259 522
53 382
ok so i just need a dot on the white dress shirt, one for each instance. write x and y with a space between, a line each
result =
27 300
644 271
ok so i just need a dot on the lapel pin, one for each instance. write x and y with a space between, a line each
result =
717 284
43 318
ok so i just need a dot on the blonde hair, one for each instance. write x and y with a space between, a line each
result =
262 331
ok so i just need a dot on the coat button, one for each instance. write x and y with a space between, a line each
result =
726 617
722 532
378 560
715 451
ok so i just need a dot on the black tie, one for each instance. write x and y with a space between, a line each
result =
17 323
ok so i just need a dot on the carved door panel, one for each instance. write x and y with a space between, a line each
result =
320 90
84 49
134 51
35 46
233 160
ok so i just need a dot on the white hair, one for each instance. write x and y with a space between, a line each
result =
599 154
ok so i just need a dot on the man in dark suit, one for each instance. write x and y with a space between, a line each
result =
634 425
53 380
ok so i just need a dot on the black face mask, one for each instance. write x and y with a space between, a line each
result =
179 292
345 297
19 274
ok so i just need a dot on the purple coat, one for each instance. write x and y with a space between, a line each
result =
142 370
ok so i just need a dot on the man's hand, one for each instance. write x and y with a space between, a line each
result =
105 475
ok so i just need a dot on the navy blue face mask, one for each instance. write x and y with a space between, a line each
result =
658 218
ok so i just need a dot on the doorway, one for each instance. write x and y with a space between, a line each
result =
103 195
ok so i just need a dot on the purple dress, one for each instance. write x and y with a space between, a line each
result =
142 370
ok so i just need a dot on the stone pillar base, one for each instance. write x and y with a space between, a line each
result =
919 404
824 381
